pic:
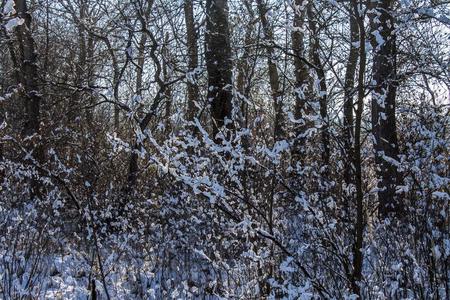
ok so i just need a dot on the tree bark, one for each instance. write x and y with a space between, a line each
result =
301 71
218 63
29 71
323 102
192 51
32 97
357 160
245 70
133 164
80 68
349 85
384 72
279 124
168 90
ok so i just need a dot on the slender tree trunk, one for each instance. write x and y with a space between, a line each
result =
116 85
192 50
357 161
140 64
384 72
244 68
279 130
168 90
133 163
90 78
133 166
301 70
80 69
349 85
218 63
315 58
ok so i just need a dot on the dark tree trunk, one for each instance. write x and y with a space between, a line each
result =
168 90
140 64
89 115
301 71
315 58
32 97
80 69
349 92
133 164
28 71
384 92
218 63
246 70
192 50
357 160
279 130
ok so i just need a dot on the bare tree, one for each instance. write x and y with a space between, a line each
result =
301 71
167 76
28 70
357 159
279 130
265 213
349 91
218 63
192 51
384 130
322 86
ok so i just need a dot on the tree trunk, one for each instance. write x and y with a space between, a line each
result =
245 70
383 105
315 58
192 50
168 90
90 79
357 161
301 71
349 85
133 165
218 63
29 71
80 69
32 96
279 131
